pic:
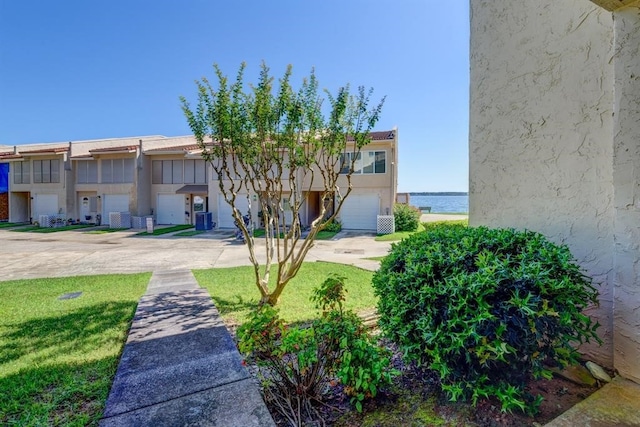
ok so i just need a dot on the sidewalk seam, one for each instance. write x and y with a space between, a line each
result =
178 398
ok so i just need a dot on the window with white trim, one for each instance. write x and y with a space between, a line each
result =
367 162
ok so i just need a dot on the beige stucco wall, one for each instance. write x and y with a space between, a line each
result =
626 175
21 212
541 129
19 203
102 189
383 184
142 176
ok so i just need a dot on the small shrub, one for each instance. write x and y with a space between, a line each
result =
407 217
333 226
486 308
297 364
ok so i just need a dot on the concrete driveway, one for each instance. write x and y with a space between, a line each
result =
73 253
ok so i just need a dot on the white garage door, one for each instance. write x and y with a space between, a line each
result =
360 212
225 215
171 209
114 203
45 204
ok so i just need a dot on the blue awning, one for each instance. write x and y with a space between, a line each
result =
4 177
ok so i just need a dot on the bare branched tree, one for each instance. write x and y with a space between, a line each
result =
277 144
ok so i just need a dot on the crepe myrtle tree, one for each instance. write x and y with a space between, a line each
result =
277 143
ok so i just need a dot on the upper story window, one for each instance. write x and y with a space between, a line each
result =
21 172
87 171
46 171
116 171
367 162
190 171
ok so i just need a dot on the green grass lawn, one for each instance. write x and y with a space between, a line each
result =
326 235
398 235
446 213
12 224
37 229
58 357
235 293
166 230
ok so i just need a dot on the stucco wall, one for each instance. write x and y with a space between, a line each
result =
626 175
19 207
541 130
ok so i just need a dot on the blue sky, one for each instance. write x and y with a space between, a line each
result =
72 70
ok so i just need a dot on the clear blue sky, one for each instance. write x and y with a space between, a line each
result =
72 70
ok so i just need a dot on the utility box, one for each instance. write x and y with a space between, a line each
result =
204 221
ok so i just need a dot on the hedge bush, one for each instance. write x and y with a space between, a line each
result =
407 217
488 309
333 226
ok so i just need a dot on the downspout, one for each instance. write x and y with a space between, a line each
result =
394 177
136 181
69 193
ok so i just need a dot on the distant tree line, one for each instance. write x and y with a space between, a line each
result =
443 193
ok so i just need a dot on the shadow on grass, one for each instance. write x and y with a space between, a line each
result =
239 303
67 394
54 336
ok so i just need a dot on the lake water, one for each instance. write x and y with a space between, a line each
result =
441 204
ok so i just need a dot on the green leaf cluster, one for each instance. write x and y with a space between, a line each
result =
406 217
273 143
333 226
488 309
298 364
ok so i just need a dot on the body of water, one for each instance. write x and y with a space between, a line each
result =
442 204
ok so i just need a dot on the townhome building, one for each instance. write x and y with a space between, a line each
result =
167 178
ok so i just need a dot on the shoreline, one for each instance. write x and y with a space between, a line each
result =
435 217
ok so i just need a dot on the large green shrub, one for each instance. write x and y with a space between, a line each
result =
407 217
486 308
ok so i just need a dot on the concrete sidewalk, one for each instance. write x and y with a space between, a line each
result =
180 366
616 404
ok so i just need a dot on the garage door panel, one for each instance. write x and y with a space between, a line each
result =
45 204
171 209
225 213
360 212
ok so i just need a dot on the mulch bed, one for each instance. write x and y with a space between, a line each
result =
400 404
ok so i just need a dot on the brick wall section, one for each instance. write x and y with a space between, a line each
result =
4 206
